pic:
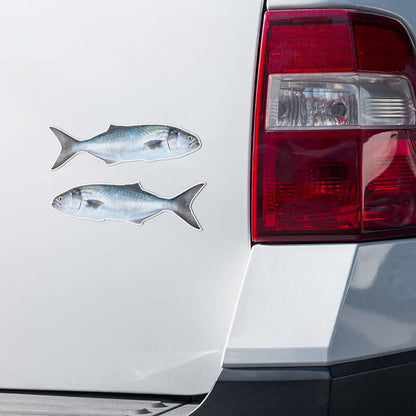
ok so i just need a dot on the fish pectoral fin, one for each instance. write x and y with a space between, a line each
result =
114 127
93 203
134 186
154 144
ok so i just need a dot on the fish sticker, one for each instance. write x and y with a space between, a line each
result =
130 203
128 143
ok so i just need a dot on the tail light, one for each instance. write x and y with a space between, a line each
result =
334 150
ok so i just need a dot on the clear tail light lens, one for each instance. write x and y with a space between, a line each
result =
339 100
334 150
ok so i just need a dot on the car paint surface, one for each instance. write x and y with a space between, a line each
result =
107 306
322 304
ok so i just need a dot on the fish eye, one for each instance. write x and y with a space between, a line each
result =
190 138
60 198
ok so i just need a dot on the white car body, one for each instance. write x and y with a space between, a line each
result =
114 307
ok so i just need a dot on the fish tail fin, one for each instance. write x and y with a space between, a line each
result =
183 205
68 147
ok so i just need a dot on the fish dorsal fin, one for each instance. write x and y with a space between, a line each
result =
114 127
134 186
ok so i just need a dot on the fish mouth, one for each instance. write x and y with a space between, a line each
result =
56 204
195 144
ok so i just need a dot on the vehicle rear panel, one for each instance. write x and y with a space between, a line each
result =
113 306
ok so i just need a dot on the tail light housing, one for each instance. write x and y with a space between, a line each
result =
334 149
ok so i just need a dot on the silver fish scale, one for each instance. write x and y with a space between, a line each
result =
120 202
134 133
128 143
56 405
108 193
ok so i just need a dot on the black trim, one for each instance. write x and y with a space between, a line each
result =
370 364
277 392
382 386
185 399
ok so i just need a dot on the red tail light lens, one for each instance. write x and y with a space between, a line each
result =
309 182
389 180
306 48
334 150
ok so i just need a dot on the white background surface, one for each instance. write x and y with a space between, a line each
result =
111 306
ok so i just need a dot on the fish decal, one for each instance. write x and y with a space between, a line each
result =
130 203
128 143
